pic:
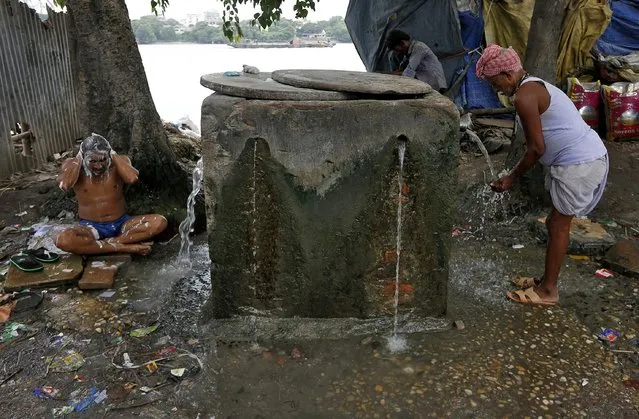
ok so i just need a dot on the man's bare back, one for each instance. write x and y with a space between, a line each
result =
98 175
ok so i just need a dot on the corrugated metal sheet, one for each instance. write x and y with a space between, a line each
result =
36 86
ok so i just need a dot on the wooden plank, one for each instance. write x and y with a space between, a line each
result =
66 271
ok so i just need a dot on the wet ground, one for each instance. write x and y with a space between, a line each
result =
504 361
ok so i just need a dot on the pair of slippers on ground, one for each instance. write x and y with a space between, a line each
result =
31 260
527 294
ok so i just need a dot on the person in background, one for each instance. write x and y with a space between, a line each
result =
558 138
417 60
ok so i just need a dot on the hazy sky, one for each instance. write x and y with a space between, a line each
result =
324 9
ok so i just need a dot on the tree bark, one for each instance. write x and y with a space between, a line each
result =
542 50
114 99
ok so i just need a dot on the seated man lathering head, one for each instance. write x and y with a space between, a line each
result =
98 175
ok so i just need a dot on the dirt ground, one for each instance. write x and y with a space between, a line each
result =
507 360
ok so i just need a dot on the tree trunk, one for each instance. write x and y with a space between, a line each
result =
113 94
541 61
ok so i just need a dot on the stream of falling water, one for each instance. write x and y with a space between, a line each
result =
398 343
491 203
186 226
481 146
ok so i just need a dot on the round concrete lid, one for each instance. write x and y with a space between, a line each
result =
352 81
260 86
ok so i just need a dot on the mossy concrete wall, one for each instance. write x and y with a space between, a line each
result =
302 203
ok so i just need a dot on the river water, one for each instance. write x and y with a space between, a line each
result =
174 70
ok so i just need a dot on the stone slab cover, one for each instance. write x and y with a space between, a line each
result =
586 238
623 257
98 274
257 87
67 270
353 81
302 202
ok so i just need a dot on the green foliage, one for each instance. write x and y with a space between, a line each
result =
270 12
150 29
145 34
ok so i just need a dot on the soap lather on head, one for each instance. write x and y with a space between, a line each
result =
96 155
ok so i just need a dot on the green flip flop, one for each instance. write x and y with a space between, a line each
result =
26 263
43 255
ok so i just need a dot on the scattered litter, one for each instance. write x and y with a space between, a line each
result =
178 372
11 331
603 273
82 398
100 397
145 389
60 340
21 214
137 333
72 361
46 392
192 341
163 341
518 246
127 360
608 223
5 311
584 382
296 353
609 335
632 384
79 378
62 411
65 215
107 294
581 258
118 340
166 352
231 74
152 367
129 386
457 232
10 376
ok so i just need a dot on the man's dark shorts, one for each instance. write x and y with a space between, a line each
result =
107 229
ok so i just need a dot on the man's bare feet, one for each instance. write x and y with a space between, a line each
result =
546 293
138 249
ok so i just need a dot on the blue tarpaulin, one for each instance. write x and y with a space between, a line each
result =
474 93
622 35
433 22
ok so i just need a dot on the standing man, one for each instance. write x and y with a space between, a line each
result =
98 175
419 61
557 137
